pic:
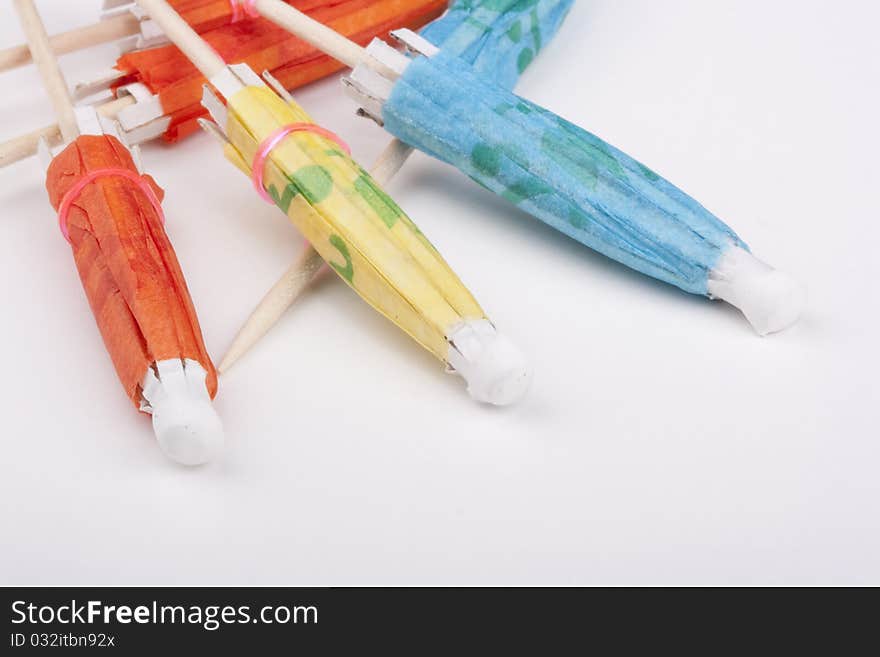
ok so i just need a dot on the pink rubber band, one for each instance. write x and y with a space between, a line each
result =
242 9
74 192
258 166
235 8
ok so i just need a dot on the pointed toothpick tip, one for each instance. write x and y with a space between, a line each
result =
224 365
237 349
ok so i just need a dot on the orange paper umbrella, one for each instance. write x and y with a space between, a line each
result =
159 90
113 219
177 84
112 216
204 15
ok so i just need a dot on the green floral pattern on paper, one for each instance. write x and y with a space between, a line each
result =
486 160
283 200
376 197
562 174
497 38
314 182
346 270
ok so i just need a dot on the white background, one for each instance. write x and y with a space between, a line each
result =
662 442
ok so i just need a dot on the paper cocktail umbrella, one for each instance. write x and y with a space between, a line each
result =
169 87
563 175
121 21
499 38
159 91
577 183
111 214
355 226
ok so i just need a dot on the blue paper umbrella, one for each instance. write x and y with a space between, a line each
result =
556 171
499 38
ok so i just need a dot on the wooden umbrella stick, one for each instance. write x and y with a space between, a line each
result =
23 146
304 269
390 161
271 308
47 65
319 35
127 24
210 63
333 43
179 32
111 29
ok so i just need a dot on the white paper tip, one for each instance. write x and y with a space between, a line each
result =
771 300
495 370
187 427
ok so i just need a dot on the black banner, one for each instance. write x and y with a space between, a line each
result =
409 620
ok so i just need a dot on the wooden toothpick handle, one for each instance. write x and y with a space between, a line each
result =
47 65
23 146
111 29
319 35
178 31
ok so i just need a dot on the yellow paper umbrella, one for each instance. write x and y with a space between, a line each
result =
488 34
363 235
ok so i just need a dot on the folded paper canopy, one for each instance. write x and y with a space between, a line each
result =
168 73
498 38
204 15
490 32
112 217
575 182
566 176
128 267
368 240
351 222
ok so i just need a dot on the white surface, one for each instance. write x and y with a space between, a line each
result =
661 442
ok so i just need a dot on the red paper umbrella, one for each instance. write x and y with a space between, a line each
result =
167 73
160 90
111 214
